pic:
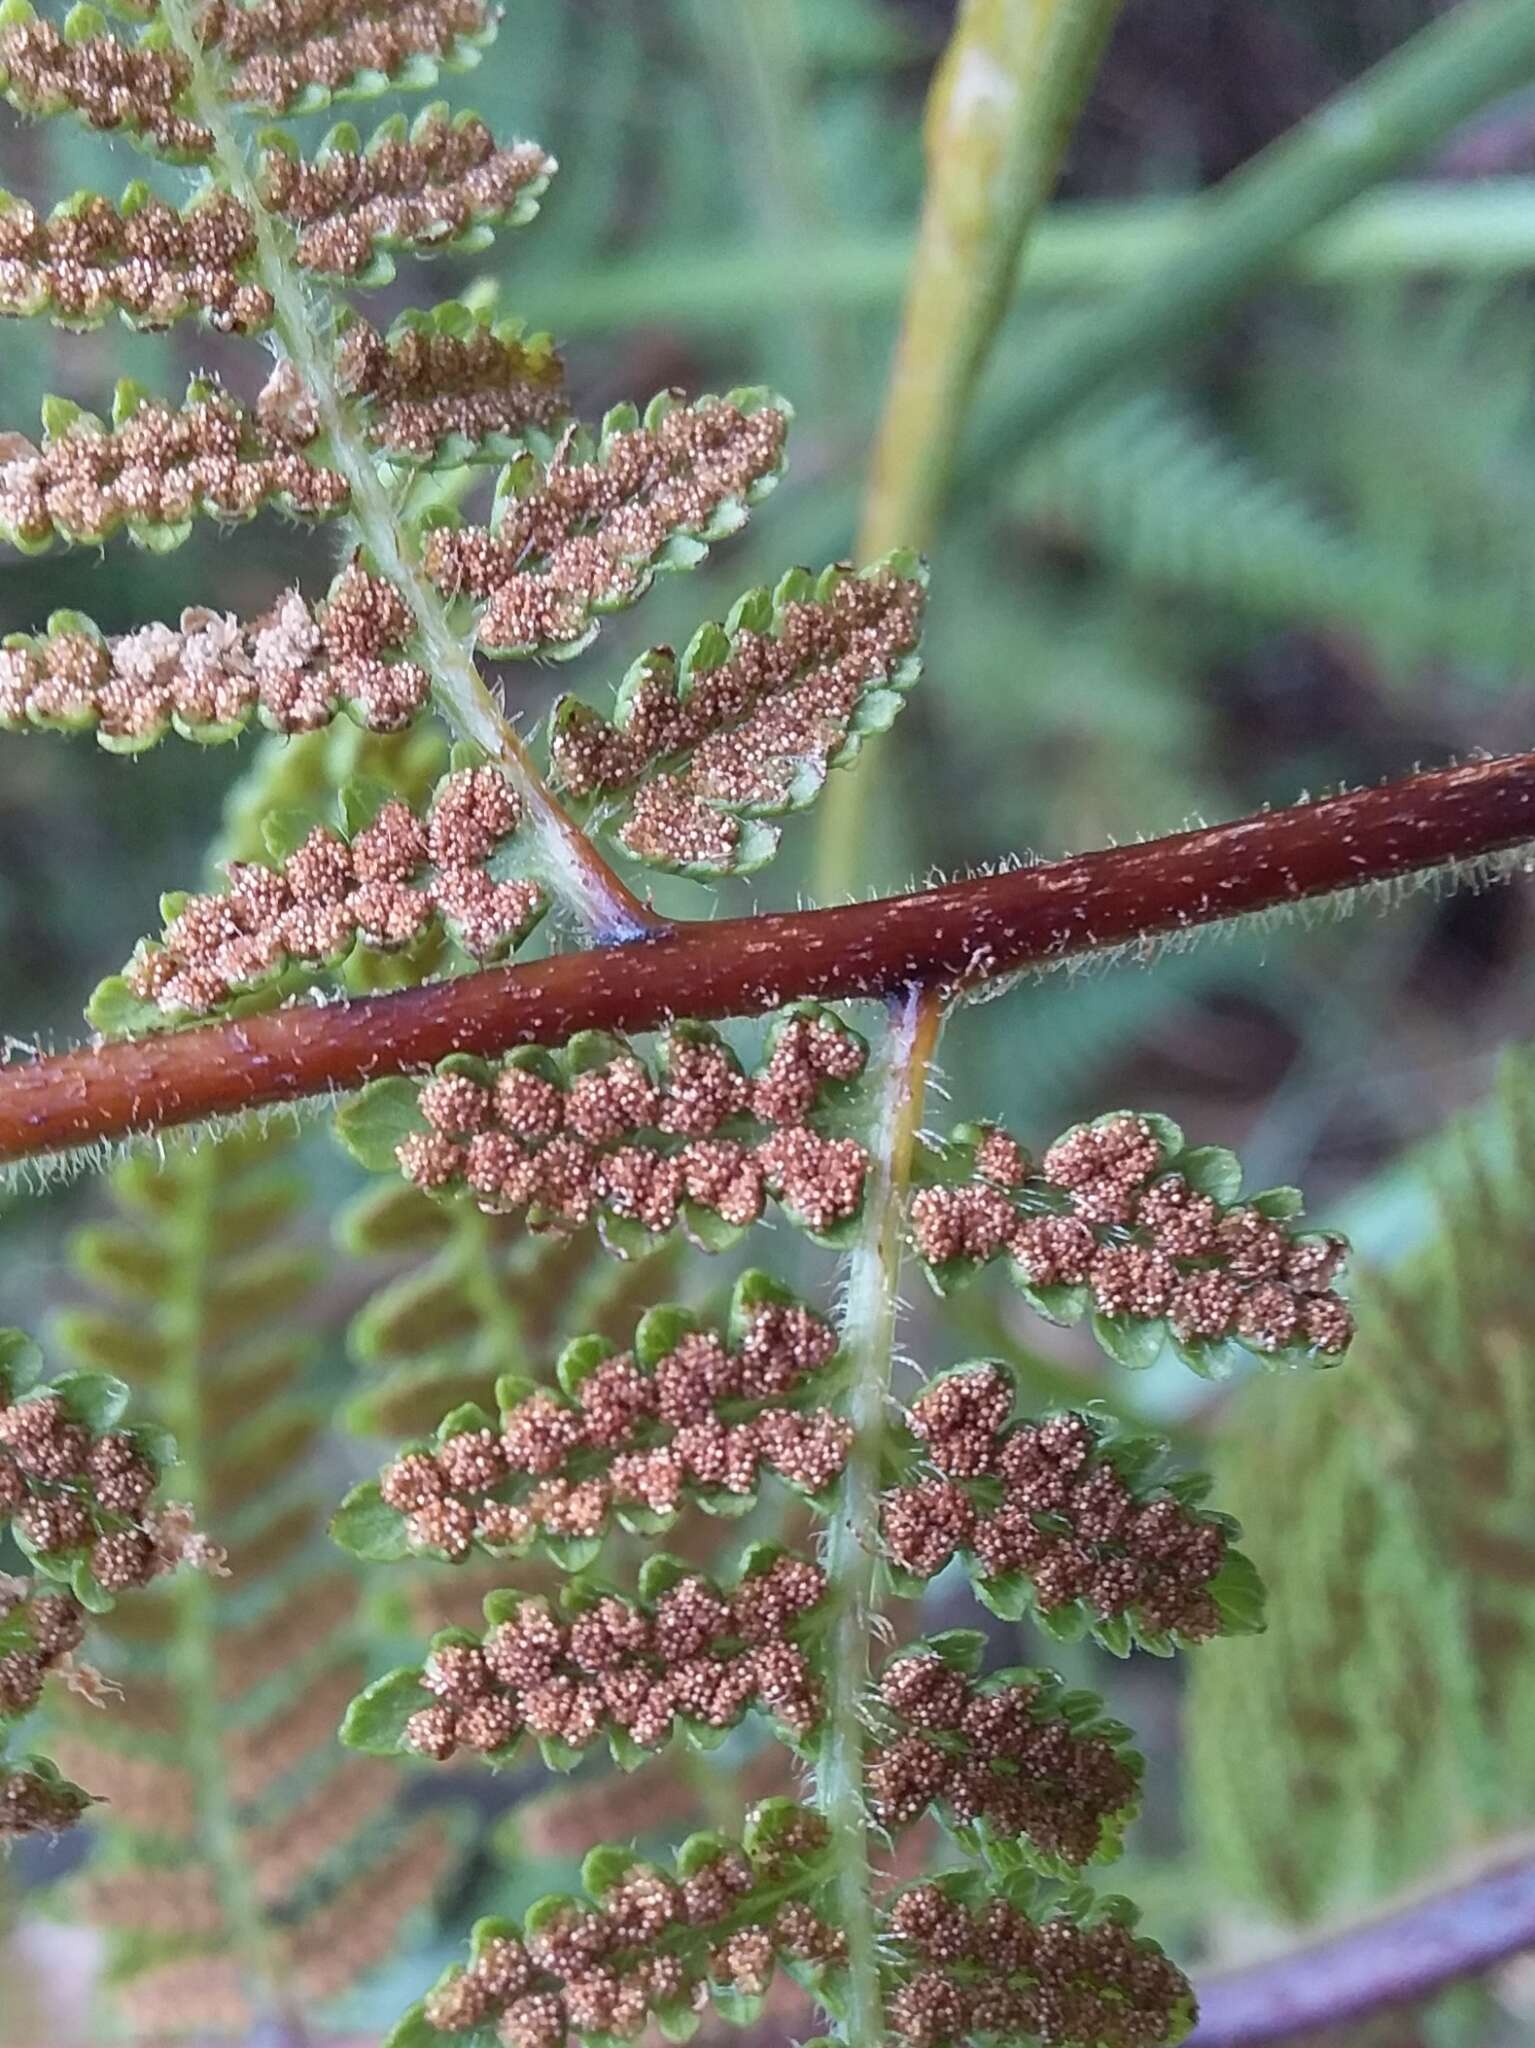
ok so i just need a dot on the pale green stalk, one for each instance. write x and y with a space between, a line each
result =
1485 230
575 871
852 1548
1003 102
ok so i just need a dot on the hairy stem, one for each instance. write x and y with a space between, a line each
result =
1459 821
1399 110
852 1550
576 871
1006 94
1395 1960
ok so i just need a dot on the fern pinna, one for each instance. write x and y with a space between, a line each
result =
249 1869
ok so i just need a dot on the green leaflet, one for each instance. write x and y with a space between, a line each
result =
1384 1719
463 1298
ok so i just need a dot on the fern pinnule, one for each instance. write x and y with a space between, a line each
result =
293 58
395 880
687 1654
1013 1761
153 471
135 88
966 1963
1064 1519
747 724
589 1132
1154 1239
630 1437
450 382
209 676
140 257
434 186
586 530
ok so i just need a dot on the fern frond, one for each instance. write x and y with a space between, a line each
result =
209 676
152 472
1168 500
585 529
390 881
1151 1236
588 1132
747 724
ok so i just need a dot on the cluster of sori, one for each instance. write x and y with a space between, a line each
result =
749 720
1062 1516
1121 1219
282 54
208 675
153 470
449 375
647 1944
686 1653
683 1415
1014 1755
594 1132
584 532
395 881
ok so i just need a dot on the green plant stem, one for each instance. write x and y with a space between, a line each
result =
868 1340
1395 113
1004 99
1485 230
579 876
195 1648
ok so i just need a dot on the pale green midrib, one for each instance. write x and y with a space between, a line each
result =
868 1336
459 689
195 1651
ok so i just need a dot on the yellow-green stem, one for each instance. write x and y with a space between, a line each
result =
1006 94
305 324
868 1338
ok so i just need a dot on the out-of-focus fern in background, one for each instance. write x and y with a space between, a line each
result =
1298 551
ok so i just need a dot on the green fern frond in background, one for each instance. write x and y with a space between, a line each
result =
1387 1713
235 1841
